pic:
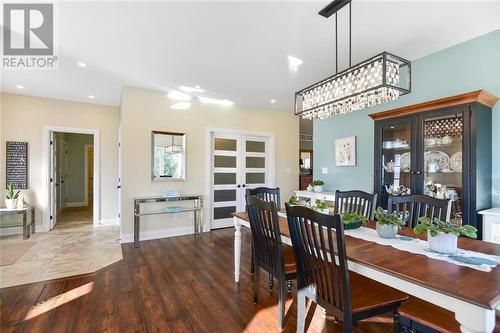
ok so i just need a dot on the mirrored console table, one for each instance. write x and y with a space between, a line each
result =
28 224
196 209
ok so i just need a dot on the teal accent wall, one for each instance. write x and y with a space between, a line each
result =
472 65
76 165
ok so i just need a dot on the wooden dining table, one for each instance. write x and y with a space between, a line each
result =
473 295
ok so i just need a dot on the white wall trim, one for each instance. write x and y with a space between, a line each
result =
156 234
46 170
76 204
86 173
10 231
109 222
210 131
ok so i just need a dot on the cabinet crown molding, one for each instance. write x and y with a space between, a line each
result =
478 96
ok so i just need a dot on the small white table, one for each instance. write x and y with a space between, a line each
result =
491 225
325 196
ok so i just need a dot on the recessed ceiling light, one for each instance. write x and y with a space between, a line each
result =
294 63
91 96
178 96
273 101
181 106
82 64
18 86
392 127
209 100
190 90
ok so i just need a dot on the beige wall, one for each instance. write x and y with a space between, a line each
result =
144 110
23 118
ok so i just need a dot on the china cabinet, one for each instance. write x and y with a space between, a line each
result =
440 148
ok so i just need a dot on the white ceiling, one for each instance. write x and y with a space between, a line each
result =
236 50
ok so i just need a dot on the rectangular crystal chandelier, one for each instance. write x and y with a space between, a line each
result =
380 79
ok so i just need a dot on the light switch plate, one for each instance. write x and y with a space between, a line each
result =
288 170
324 171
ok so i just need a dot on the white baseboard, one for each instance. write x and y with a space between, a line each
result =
156 234
76 204
19 230
109 222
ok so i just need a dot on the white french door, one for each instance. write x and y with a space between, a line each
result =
239 162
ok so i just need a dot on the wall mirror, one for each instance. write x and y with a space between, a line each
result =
168 156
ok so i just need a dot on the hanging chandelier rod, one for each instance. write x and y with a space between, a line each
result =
333 7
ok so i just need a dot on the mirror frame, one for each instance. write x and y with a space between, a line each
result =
153 178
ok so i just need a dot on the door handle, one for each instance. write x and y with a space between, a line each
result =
416 172
119 187
244 185
238 186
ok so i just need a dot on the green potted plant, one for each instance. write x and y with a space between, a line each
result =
388 224
318 185
442 236
294 201
352 220
321 206
11 197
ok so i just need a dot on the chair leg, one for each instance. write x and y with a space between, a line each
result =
289 285
252 264
270 283
281 304
301 311
256 280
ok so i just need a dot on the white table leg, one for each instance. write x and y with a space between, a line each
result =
237 249
475 319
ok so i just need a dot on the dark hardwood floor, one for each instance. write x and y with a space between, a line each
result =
180 284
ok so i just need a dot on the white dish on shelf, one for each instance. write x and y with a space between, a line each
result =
405 162
442 159
456 162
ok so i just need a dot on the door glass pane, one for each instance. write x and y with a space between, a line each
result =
255 178
224 195
223 212
224 144
222 178
256 146
255 162
225 161
443 161
396 160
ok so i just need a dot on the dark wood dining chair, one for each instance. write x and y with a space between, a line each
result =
268 194
359 202
348 296
270 253
413 206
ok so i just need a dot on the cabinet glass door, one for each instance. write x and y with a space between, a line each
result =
443 162
396 159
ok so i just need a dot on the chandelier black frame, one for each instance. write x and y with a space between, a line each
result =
370 95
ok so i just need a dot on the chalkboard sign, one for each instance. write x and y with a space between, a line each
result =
17 164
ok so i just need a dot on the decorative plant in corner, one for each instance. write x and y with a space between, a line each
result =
388 224
353 220
442 236
11 197
318 185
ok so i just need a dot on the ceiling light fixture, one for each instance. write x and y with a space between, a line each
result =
181 106
190 90
173 148
208 100
82 64
294 63
18 86
178 96
272 101
91 96
380 79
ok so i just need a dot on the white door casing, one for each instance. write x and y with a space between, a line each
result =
52 181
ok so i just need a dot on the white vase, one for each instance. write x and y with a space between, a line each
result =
442 242
318 188
11 203
386 230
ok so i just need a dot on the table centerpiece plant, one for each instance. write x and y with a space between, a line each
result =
11 197
317 185
321 206
353 220
388 224
293 201
442 236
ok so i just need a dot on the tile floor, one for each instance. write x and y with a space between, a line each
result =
73 247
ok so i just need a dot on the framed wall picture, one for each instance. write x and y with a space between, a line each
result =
345 151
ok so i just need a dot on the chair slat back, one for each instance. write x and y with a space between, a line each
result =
266 234
359 202
316 239
413 206
267 194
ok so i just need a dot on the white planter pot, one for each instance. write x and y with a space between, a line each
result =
442 242
387 230
11 203
318 189
326 211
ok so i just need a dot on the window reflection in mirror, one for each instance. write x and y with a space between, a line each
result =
168 156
